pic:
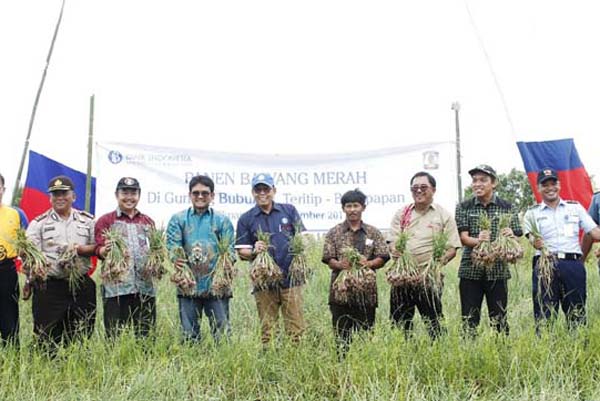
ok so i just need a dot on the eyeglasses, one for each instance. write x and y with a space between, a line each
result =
262 190
419 188
204 194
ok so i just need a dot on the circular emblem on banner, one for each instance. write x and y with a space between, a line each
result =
115 157
284 220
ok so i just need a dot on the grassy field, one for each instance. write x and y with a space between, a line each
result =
559 365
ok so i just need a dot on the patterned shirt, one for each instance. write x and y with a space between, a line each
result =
199 234
560 227
368 240
135 233
51 233
467 219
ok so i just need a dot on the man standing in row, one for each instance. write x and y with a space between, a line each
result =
559 222
421 219
11 219
132 300
359 312
280 220
61 310
478 281
197 230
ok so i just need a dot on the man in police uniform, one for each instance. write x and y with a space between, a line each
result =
594 211
59 311
559 222
11 219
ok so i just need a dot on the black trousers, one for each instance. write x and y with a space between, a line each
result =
9 302
136 309
61 314
349 319
471 298
405 300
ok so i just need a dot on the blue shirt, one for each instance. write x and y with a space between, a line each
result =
594 209
560 227
201 232
281 223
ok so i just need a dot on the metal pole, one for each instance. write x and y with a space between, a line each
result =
456 108
88 180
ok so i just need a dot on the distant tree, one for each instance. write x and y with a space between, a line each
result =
513 187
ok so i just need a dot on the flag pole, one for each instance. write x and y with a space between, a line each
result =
456 108
35 104
88 179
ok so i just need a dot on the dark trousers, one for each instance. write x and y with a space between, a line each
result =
136 309
567 288
9 302
404 301
471 298
60 314
349 319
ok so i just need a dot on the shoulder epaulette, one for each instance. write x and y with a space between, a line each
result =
42 216
87 214
571 201
537 205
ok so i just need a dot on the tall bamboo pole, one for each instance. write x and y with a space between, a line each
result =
456 108
35 104
88 179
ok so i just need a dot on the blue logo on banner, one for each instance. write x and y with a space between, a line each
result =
115 157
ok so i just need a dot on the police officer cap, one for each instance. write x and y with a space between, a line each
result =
128 183
60 183
263 178
547 174
485 169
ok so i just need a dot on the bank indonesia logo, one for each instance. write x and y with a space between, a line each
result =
115 157
431 160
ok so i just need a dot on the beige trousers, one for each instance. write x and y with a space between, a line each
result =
290 302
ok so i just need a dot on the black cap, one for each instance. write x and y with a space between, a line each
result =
485 169
546 174
60 183
128 182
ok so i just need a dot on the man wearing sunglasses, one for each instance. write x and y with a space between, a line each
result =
421 220
281 220
133 300
198 230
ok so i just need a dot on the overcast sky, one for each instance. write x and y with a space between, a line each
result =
301 77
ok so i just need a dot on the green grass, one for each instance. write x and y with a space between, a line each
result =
559 365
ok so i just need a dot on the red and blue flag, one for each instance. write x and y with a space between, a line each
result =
41 170
560 155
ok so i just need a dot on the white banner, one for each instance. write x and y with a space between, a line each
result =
312 183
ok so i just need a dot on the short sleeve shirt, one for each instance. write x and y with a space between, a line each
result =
594 209
467 219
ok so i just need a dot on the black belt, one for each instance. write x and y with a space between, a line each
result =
567 256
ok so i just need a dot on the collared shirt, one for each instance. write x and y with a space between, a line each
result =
560 227
467 219
368 240
198 234
421 226
135 233
51 233
11 219
282 223
594 209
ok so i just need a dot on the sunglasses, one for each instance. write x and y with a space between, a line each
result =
204 194
419 188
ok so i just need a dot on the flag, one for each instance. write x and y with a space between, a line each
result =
560 155
41 170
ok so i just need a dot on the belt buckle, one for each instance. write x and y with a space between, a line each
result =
561 255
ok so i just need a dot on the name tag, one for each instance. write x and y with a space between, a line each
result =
368 242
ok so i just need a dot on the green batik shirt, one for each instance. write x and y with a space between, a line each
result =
467 219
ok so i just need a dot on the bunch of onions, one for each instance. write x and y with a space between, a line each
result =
545 261
158 255
264 272
70 262
402 271
432 273
506 247
35 264
183 276
353 285
482 254
224 271
115 266
299 265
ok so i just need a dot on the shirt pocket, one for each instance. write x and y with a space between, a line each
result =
82 232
